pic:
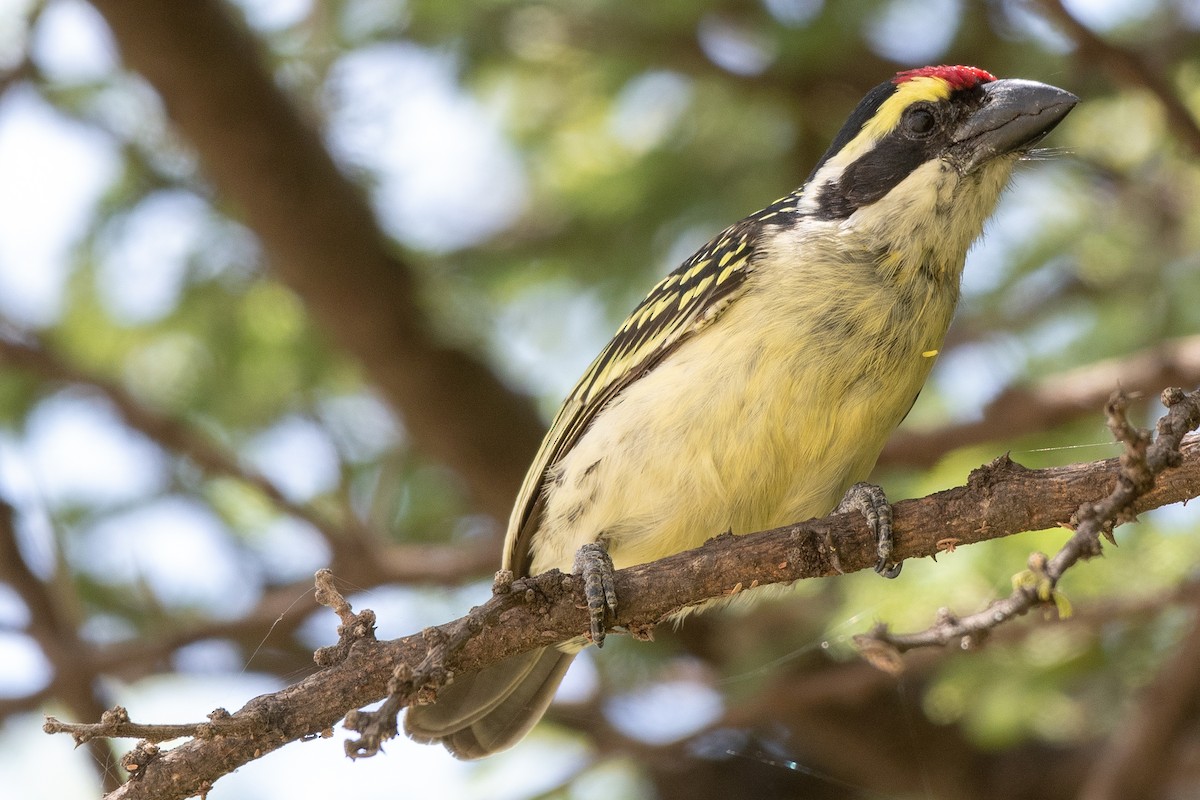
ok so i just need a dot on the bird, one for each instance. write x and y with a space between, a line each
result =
756 384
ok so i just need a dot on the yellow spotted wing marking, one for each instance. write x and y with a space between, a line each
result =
682 304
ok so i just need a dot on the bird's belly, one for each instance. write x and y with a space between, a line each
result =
725 436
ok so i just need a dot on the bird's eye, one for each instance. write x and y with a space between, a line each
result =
919 121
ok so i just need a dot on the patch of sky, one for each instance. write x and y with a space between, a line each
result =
72 45
1028 24
362 425
79 452
1104 15
794 13
145 256
175 547
41 766
736 48
275 15
665 712
547 335
297 456
288 550
914 32
52 173
1034 201
445 178
26 669
647 109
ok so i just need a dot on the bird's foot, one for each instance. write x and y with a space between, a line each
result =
869 499
593 563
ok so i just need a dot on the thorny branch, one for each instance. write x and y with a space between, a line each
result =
116 724
1140 464
999 499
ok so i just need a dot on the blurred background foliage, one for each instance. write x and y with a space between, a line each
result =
182 445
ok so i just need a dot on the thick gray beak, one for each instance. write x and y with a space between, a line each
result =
1015 115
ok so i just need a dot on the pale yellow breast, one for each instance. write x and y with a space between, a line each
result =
764 418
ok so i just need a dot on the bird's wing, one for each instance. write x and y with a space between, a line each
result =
683 303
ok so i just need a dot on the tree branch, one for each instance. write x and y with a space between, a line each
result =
1023 410
1140 465
998 500
323 239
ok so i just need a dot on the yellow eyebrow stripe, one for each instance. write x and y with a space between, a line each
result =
926 88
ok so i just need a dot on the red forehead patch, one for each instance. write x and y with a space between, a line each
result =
958 77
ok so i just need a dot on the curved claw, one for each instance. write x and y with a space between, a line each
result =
888 571
869 500
593 563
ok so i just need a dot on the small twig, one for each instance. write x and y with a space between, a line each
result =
1140 464
327 594
115 724
354 628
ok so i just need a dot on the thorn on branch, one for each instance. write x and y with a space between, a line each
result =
1135 470
406 687
376 727
353 627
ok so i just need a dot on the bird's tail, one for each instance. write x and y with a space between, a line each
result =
484 712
